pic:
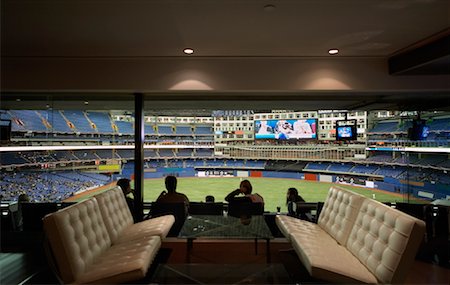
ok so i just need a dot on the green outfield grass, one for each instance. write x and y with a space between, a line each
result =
273 190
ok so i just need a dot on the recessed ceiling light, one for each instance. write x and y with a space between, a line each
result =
18 100
188 51
333 51
86 102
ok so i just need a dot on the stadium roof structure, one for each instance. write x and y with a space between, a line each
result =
247 54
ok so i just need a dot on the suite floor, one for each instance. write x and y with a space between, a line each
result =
210 262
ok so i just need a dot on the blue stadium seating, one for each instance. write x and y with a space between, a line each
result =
317 166
385 127
57 122
183 130
85 155
46 186
366 169
125 128
203 130
440 124
80 122
11 158
31 120
166 153
338 167
64 156
107 154
102 122
148 130
126 153
165 130
150 153
389 171
184 153
201 152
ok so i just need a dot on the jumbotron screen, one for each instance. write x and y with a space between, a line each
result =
286 129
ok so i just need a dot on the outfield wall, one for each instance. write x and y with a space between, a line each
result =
422 190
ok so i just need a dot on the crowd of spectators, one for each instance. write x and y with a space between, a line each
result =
44 186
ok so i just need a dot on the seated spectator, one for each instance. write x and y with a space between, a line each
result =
172 196
124 184
246 189
292 197
23 198
246 205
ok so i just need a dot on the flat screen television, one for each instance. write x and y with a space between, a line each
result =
346 130
286 129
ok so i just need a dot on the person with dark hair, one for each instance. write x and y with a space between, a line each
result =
292 197
246 189
172 196
124 184
210 199
242 202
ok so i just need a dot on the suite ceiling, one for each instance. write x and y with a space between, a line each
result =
217 28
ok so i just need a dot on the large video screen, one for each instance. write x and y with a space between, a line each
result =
286 129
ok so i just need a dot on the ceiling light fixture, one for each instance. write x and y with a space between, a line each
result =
333 51
188 51
86 102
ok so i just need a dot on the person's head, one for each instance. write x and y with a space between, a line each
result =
246 187
171 183
292 194
124 184
209 199
23 198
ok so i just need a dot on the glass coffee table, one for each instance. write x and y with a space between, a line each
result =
225 227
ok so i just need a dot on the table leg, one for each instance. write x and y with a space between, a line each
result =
190 245
268 250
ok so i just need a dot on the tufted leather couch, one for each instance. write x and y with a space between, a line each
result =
95 241
356 240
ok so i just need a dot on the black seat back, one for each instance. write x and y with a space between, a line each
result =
177 209
245 208
201 208
33 213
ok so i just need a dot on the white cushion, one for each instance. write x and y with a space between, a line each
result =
122 262
339 213
385 240
77 236
115 211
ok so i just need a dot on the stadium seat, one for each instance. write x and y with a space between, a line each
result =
33 213
177 209
244 208
201 208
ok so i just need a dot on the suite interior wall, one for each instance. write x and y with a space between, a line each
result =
203 73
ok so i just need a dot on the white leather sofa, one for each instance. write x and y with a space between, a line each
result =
95 241
356 240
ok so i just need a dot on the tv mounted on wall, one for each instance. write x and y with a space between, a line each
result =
346 130
419 130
